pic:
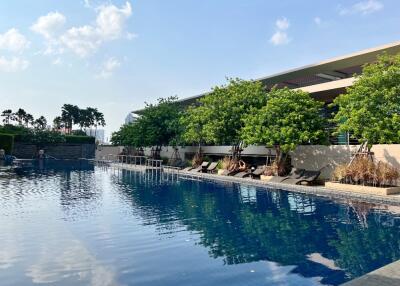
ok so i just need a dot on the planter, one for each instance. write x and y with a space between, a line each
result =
363 189
265 178
220 171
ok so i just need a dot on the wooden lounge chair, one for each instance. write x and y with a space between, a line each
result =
308 177
229 172
187 169
212 168
200 168
294 174
243 174
258 171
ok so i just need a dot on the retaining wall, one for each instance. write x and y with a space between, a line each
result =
59 151
310 157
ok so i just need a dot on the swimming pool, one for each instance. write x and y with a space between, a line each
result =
88 225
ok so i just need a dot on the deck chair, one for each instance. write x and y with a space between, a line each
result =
212 168
229 173
308 177
294 174
200 168
243 174
187 169
258 172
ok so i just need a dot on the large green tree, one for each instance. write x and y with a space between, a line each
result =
370 109
289 118
158 125
217 117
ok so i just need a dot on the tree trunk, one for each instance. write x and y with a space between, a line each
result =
280 161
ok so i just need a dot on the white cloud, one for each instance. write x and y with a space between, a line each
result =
87 4
49 25
57 62
14 64
13 41
317 20
81 40
108 67
282 24
110 20
363 7
85 40
279 38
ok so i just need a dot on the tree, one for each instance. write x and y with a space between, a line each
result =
70 115
98 119
58 123
28 119
40 123
289 118
7 114
193 121
157 126
370 109
220 112
20 116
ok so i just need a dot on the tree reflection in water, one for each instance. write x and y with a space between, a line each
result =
245 224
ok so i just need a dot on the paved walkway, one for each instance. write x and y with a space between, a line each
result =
388 275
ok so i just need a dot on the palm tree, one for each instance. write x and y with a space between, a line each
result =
98 120
70 115
28 119
58 123
20 116
40 123
8 115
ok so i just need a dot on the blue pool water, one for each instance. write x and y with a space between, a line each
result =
85 225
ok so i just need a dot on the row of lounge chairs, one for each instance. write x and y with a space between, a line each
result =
296 176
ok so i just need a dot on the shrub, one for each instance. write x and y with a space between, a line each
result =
80 139
363 171
271 170
197 159
7 142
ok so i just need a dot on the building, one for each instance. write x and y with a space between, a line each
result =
324 80
97 133
130 118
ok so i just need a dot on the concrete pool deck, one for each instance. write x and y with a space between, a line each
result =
388 275
314 190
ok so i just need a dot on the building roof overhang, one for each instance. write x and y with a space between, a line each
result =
334 74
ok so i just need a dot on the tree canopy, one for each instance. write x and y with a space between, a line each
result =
217 117
370 109
289 118
158 125
84 118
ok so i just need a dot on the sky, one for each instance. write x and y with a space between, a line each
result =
115 55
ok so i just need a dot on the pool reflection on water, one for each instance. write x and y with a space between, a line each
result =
96 226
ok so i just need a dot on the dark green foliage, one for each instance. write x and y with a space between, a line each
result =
217 117
158 125
7 142
370 109
290 118
80 139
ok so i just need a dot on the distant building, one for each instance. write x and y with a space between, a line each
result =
130 118
98 134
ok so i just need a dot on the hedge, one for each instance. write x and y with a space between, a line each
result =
7 142
80 139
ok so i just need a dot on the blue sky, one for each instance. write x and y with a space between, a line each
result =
114 55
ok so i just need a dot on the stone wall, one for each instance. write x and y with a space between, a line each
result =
310 157
103 151
59 151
